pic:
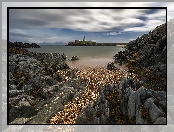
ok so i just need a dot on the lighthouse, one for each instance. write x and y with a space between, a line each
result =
84 38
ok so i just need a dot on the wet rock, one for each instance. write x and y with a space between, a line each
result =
139 119
154 111
147 52
160 120
131 105
143 93
161 95
74 58
20 121
13 93
132 101
21 111
57 77
50 81
12 87
33 78
27 87
111 66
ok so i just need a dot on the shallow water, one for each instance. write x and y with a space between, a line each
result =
92 56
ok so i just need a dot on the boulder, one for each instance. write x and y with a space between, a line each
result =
154 111
139 119
131 105
111 66
160 120
74 58
21 111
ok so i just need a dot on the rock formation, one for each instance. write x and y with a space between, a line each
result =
23 45
36 79
147 57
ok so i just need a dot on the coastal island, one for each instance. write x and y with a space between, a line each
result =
85 42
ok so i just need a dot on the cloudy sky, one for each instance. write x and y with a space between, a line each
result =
100 25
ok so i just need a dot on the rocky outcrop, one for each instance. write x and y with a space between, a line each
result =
147 57
143 103
123 104
146 50
34 80
23 45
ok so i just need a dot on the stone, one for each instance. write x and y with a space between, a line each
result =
25 103
50 81
139 119
74 58
27 87
21 111
12 87
20 121
128 91
124 106
111 66
160 120
161 95
131 105
154 111
144 93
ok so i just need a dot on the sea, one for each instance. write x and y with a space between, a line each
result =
89 56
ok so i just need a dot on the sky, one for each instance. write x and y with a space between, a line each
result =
60 26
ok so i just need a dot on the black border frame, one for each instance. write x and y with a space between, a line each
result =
8 8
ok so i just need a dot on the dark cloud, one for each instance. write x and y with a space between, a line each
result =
83 19
45 25
23 23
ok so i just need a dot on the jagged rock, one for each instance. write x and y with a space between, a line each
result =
23 102
86 116
111 66
139 119
74 58
27 87
54 88
32 74
160 95
131 105
12 87
13 93
20 121
147 52
124 107
160 120
154 111
132 102
143 93
21 111
58 77
50 81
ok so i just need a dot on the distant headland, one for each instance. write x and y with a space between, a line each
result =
85 42
23 45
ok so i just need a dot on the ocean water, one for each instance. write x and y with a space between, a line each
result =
93 56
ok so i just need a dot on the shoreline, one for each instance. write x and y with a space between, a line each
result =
63 93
